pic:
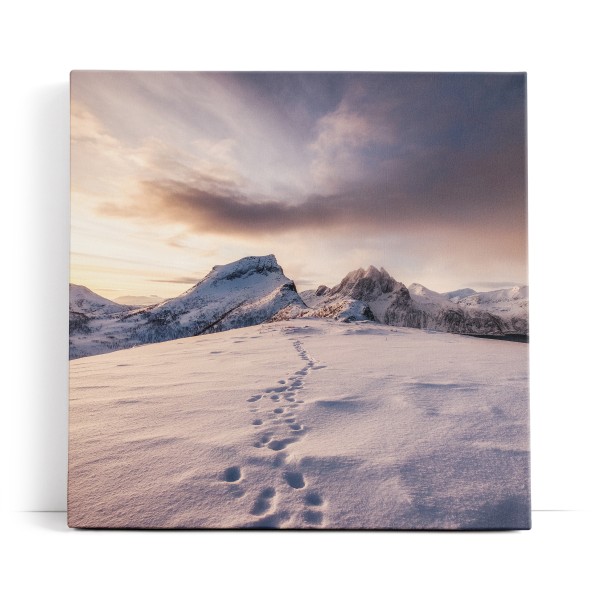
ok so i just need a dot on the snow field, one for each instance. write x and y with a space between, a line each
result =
302 424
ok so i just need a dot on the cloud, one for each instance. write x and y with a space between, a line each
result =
342 137
254 154
380 164
206 210
487 192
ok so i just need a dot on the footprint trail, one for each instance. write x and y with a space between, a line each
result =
275 414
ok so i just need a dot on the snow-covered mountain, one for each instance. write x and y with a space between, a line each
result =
457 295
374 294
356 298
255 290
246 292
83 300
85 305
514 300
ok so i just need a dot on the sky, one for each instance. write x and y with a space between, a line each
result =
175 172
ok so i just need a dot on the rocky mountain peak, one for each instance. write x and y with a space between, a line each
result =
366 284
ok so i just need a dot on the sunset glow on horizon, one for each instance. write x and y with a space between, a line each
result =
421 173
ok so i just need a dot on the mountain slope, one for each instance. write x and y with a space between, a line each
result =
246 292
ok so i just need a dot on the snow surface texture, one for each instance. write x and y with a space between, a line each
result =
254 290
309 423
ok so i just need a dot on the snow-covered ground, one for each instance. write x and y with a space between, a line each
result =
301 424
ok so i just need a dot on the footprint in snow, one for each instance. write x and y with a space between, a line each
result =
294 479
280 459
277 445
271 521
232 474
265 439
312 517
313 499
276 390
263 501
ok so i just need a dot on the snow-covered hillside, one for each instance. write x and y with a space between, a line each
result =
308 423
246 292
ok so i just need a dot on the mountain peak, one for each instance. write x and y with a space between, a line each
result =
83 300
246 292
366 285
247 265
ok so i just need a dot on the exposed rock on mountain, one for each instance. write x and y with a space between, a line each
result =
383 299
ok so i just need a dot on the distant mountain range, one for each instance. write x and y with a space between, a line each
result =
374 294
139 300
255 290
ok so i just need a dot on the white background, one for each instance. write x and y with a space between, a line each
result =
556 43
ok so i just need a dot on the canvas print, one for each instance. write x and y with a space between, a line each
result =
298 301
